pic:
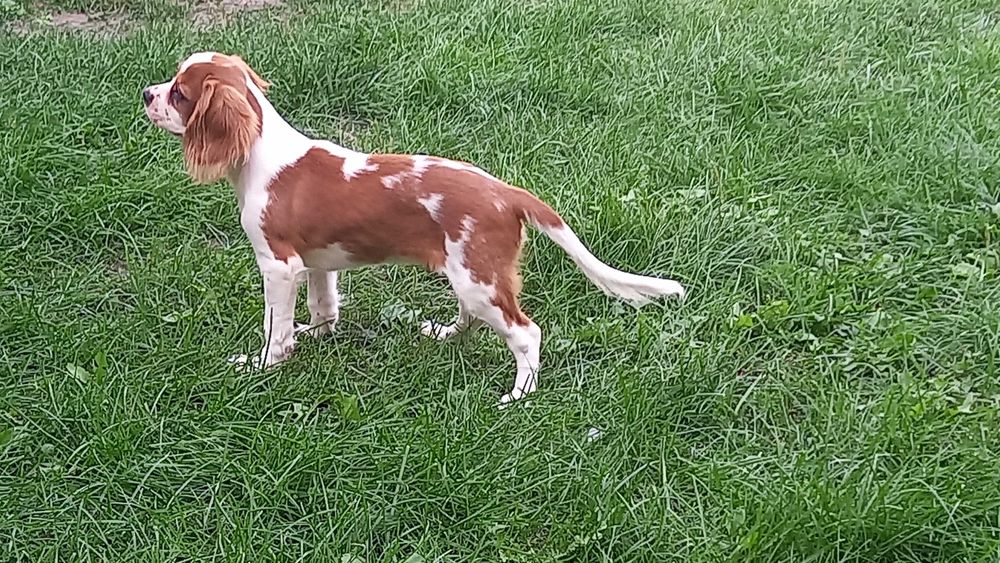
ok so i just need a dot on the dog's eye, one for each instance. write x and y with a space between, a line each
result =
175 95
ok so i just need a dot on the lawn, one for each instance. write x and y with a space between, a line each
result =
822 176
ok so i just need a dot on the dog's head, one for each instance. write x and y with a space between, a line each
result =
211 103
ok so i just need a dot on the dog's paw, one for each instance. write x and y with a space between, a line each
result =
505 401
242 361
432 329
255 362
508 399
317 331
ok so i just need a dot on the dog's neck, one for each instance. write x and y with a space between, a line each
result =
279 145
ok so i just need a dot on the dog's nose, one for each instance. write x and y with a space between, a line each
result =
147 96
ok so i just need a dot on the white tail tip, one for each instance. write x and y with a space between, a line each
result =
639 290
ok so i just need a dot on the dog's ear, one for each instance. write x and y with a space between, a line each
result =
254 77
220 132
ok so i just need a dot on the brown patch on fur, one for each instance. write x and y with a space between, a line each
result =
313 207
222 119
260 83
238 62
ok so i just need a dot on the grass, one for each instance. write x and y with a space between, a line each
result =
823 176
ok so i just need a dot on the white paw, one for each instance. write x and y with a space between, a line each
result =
505 401
255 362
314 331
508 398
242 361
432 329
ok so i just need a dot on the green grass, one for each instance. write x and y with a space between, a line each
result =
823 176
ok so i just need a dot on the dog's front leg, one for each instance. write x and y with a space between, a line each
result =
279 311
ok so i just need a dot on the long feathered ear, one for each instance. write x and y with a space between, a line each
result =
254 77
220 132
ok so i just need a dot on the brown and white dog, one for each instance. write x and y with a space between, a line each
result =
312 208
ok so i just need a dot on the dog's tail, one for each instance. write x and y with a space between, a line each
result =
639 290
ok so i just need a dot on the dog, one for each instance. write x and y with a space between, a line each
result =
312 208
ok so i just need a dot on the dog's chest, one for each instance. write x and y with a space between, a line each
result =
252 203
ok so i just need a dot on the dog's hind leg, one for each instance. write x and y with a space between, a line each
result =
490 294
324 303
465 322
522 336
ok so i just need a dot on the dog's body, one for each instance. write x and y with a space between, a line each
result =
313 208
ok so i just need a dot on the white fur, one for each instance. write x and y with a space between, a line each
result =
463 323
355 164
454 266
432 203
420 164
393 181
161 113
333 257
196 58
416 171
616 283
455 165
